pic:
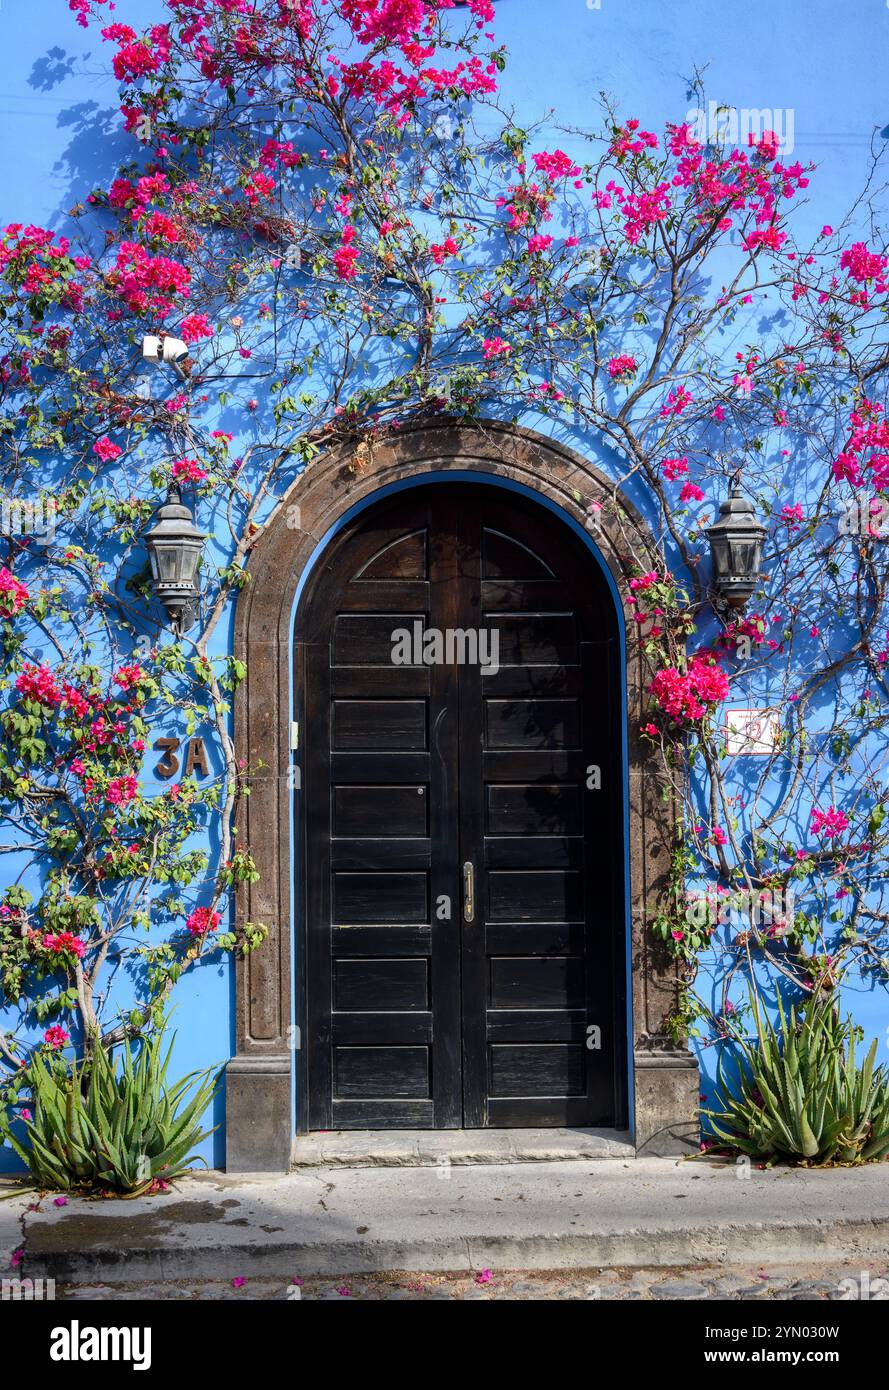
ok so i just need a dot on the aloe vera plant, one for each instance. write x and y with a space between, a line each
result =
802 1095
95 1127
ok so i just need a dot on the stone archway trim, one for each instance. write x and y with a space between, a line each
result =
259 1078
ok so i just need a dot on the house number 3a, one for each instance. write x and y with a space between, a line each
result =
195 757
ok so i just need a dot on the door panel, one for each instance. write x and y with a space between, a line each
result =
380 834
427 784
537 971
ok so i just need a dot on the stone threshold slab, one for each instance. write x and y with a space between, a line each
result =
431 1148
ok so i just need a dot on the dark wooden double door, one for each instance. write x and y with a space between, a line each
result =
461 823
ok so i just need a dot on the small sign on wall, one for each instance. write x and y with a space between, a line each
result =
751 731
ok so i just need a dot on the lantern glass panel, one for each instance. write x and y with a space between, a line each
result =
720 556
742 555
189 563
168 563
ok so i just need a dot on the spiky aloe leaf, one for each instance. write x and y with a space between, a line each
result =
802 1092
101 1125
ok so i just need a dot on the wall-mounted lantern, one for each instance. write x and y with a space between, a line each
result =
736 542
174 546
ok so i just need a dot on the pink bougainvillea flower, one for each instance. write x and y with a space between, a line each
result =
845 469
676 402
346 255
866 447
495 347
13 594
830 822
121 790
644 581
863 265
63 941
202 920
673 469
239 1282
189 470
257 187
643 211
194 327
106 449
128 676
629 139
56 1037
148 283
691 493
38 683
770 238
691 694
767 145
81 9
60 1201
136 58
484 1276
555 165
622 368
439 251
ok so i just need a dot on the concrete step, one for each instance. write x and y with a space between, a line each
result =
433 1148
614 1213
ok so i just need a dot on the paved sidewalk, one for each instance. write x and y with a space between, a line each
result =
336 1221
12 1211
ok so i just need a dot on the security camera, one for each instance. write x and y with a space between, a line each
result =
161 347
151 349
175 351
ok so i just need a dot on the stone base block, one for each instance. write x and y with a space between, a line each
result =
667 1096
259 1121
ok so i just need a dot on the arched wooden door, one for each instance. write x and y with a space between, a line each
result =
461 821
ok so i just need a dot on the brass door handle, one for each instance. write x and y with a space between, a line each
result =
468 892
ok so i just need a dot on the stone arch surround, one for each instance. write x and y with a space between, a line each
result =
259 1078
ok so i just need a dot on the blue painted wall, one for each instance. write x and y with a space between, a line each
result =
58 97
822 69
